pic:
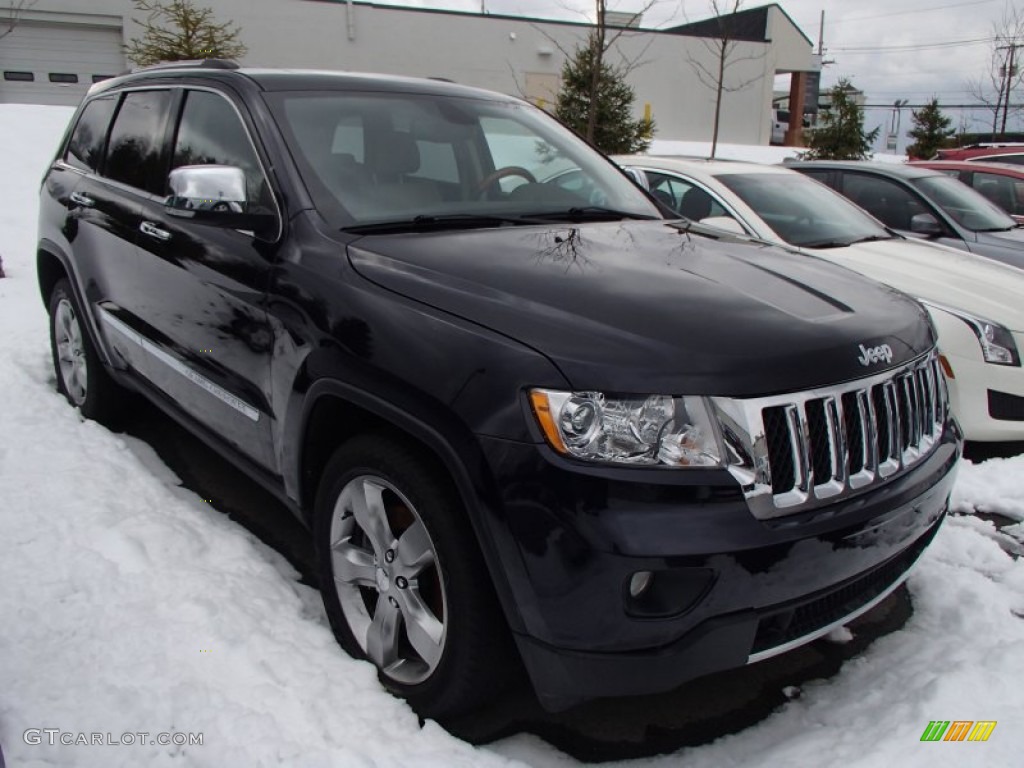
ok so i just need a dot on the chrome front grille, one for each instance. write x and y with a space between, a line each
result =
798 450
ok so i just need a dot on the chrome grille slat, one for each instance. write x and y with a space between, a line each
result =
836 441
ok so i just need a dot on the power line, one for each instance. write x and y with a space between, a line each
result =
912 12
915 46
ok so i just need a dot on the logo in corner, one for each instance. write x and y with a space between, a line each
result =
958 730
871 355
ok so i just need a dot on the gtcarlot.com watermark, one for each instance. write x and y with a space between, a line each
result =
54 736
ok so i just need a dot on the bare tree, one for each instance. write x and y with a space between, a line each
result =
725 54
994 88
13 16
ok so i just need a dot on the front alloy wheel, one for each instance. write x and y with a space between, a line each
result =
402 578
387 579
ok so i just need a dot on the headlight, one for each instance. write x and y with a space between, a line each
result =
652 430
997 345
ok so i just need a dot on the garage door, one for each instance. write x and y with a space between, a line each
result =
56 63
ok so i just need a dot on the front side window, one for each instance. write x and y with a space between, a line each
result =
965 206
1004 191
135 149
888 201
212 133
373 158
85 150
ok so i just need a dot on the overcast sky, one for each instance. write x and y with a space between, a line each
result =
891 49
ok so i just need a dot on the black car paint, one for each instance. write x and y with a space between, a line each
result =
440 335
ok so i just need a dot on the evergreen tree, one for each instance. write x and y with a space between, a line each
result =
614 130
176 30
932 130
839 134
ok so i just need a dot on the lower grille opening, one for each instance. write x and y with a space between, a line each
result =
1005 407
780 626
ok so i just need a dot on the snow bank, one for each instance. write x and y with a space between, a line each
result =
995 486
752 153
128 605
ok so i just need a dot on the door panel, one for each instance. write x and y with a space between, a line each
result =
205 315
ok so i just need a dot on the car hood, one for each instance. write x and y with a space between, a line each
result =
941 275
1007 247
1014 237
644 307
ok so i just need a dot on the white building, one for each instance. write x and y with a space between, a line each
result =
59 47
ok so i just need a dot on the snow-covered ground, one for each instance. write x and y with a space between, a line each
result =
753 153
128 605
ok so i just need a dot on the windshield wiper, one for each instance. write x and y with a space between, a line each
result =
425 222
871 239
592 213
837 243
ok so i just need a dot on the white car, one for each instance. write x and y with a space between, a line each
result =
975 303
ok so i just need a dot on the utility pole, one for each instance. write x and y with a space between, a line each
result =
1010 70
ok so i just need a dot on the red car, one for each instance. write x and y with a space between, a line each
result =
1001 183
987 153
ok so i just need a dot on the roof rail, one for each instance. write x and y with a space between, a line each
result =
190 64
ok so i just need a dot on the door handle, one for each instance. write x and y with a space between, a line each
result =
148 228
82 200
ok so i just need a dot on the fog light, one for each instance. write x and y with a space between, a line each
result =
639 583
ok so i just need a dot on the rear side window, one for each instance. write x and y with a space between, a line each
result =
135 149
212 133
86 146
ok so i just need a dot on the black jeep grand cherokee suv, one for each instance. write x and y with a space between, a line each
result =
510 402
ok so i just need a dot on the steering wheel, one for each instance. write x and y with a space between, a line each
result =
501 173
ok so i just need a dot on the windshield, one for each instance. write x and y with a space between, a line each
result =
803 212
370 158
968 208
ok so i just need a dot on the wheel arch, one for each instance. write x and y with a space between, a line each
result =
335 412
53 265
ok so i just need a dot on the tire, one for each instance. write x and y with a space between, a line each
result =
80 374
402 578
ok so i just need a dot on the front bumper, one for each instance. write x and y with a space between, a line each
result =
728 588
971 393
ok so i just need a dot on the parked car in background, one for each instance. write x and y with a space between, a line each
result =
1000 183
780 124
988 153
975 303
513 420
922 203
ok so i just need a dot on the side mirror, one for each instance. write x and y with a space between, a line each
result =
925 224
728 223
214 195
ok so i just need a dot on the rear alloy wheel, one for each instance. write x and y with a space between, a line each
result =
80 375
402 578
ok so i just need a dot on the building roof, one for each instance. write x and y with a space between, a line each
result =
750 25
